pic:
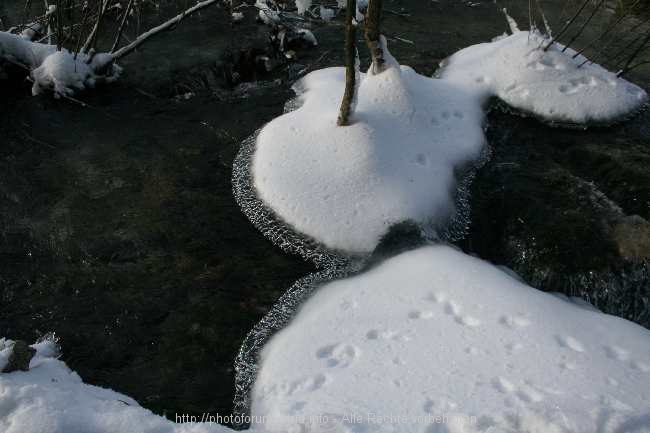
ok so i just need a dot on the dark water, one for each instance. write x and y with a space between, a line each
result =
119 231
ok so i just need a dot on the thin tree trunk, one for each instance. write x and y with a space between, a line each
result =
373 35
350 64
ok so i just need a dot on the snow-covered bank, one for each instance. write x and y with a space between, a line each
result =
345 186
436 341
58 71
50 398
550 84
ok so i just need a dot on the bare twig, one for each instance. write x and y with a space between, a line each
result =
584 25
118 36
546 25
602 35
567 25
635 54
645 62
93 33
312 65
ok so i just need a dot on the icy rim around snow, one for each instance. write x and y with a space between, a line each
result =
278 317
436 333
558 85
294 242
265 220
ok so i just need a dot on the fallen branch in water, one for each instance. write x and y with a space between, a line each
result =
161 28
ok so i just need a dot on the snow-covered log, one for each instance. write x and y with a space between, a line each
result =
59 71
64 72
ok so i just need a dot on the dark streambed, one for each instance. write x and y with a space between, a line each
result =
118 229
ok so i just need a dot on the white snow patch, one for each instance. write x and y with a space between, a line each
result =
327 14
267 13
550 84
361 4
50 398
303 6
555 367
6 346
345 186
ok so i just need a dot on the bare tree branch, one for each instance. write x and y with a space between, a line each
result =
164 26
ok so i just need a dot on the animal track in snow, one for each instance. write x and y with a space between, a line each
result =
503 385
617 353
514 321
421 159
569 342
513 347
568 366
437 297
641 366
575 85
417 314
530 395
376 334
305 384
452 308
525 393
339 355
470 321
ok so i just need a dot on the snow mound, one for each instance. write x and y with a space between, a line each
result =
303 6
345 186
436 341
550 84
50 398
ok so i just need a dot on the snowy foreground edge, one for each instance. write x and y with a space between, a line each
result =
50 398
434 340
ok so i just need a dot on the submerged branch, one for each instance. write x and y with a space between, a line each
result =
584 25
567 25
